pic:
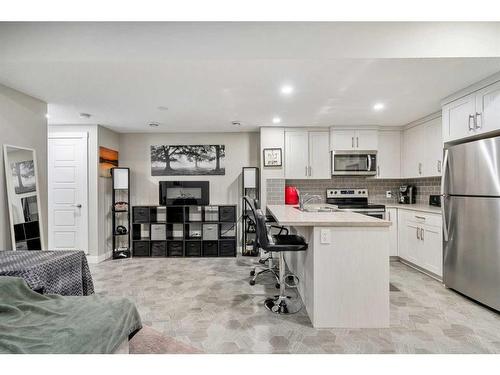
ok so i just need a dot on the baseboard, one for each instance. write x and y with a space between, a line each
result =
422 270
93 259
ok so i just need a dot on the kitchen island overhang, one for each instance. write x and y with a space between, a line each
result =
344 274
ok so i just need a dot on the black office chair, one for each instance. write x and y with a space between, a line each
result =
253 204
281 304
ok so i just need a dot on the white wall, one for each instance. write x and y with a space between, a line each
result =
271 138
242 150
22 123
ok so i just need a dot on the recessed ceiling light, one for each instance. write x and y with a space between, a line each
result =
287 90
162 108
154 124
85 115
276 120
378 106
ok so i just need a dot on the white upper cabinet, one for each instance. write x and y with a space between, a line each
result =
307 155
366 139
423 150
472 114
341 139
389 154
433 148
319 155
488 108
458 118
296 154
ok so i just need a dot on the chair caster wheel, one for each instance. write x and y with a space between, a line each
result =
252 282
252 273
262 261
277 285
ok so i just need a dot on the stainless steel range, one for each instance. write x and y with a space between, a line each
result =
355 200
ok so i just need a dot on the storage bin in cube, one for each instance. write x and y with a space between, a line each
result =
227 230
211 213
158 232
194 213
210 232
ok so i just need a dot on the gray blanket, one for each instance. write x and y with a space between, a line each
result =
53 272
35 323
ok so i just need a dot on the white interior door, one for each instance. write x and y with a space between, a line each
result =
68 191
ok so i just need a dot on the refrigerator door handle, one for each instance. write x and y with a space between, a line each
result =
443 195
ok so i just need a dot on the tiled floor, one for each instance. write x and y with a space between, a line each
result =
209 304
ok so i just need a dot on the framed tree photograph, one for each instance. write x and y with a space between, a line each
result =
272 157
187 160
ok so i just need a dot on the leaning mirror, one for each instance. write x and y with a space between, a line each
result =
23 197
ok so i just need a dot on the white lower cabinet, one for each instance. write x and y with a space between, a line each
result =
420 240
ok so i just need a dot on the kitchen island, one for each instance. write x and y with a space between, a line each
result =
344 274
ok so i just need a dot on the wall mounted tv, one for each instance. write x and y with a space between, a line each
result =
184 193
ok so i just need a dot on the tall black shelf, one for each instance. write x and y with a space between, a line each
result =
120 213
251 188
184 231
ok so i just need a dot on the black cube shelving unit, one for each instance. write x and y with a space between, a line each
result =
184 231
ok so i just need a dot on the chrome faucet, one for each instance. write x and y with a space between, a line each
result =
306 198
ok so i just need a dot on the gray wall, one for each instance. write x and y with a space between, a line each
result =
22 123
242 150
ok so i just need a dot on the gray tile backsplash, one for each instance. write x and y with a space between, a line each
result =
376 187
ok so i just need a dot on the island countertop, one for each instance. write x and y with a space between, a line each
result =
290 215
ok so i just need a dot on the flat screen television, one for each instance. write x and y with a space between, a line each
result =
184 193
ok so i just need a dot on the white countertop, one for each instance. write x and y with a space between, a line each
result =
416 207
289 215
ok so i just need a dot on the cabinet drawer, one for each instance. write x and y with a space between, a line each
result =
227 214
193 248
210 249
227 248
141 248
158 249
175 249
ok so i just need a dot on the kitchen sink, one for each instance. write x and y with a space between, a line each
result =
318 208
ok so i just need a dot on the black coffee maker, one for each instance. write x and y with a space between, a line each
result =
407 194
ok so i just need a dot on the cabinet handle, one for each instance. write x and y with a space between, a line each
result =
439 166
421 234
310 171
419 168
471 117
378 170
419 217
476 120
306 170
357 142
418 237
389 215
352 142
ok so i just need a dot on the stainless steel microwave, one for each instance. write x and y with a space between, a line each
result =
354 163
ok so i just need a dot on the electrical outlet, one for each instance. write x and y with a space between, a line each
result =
388 194
325 237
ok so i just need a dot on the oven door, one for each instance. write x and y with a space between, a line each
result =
354 163
379 214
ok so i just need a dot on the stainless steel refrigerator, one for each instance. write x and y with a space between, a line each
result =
471 220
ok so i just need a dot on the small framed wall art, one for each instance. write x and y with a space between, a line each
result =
272 157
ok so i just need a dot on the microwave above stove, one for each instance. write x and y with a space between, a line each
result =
354 163
184 193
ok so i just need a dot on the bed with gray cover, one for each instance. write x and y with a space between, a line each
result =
34 323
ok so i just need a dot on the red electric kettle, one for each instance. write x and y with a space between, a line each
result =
291 195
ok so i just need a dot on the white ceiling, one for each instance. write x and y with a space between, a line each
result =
209 74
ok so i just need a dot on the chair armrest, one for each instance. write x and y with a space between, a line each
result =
281 228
